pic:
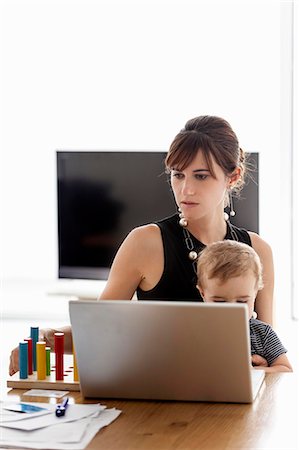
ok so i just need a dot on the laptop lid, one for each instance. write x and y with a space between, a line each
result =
163 350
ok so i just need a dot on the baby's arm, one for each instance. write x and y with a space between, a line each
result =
273 350
280 364
258 361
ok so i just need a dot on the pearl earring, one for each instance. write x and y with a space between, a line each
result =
232 212
183 222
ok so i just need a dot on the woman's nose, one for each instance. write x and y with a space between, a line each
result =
188 187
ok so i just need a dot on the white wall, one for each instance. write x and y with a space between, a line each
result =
127 75
295 159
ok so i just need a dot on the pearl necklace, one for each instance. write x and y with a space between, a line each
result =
193 254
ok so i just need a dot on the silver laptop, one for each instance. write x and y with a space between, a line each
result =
157 350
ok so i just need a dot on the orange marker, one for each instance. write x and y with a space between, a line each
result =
41 360
76 376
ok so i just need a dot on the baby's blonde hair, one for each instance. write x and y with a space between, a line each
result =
227 259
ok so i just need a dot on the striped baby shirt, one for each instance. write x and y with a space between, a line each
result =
264 341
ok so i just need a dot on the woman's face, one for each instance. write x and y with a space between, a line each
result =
197 193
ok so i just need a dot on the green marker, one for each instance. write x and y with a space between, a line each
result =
48 364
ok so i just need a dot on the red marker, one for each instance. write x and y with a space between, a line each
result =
30 368
59 352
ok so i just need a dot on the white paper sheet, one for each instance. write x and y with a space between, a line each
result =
8 416
73 413
47 439
45 393
65 433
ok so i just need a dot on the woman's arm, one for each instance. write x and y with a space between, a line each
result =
264 299
125 273
138 262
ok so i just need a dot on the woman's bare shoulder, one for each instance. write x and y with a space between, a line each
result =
140 242
145 234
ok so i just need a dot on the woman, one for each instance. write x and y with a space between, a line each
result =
206 165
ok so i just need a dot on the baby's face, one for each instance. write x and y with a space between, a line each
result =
235 290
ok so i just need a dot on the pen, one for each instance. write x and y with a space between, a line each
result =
60 409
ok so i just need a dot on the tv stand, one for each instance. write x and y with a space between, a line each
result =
81 289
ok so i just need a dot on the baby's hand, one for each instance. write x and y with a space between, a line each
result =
258 361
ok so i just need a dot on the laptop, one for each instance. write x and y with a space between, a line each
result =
161 350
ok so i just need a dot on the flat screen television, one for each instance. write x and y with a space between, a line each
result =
102 195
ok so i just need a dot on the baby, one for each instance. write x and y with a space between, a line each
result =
230 271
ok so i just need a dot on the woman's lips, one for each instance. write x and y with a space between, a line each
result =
188 204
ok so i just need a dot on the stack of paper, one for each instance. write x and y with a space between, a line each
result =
43 430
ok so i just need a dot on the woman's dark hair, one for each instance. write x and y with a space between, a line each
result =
215 138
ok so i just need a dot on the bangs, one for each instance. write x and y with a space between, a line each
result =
184 149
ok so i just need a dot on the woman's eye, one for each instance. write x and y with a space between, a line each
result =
178 175
198 176
201 177
241 301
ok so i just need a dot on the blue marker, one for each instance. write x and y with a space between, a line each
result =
34 336
23 360
60 409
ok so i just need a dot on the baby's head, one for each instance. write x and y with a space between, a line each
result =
229 271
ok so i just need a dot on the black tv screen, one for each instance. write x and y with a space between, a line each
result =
102 195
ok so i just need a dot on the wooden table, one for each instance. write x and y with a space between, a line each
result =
271 422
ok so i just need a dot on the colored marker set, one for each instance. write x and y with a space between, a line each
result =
35 356
27 354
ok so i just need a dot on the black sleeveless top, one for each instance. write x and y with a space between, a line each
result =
178 281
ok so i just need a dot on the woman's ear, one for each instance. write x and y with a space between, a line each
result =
233 178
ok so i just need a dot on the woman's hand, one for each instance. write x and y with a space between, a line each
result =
258 361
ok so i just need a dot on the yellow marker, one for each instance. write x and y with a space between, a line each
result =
41 360
76 376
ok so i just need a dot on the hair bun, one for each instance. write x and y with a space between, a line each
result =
242 156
